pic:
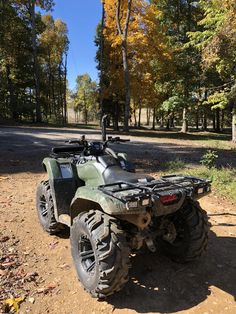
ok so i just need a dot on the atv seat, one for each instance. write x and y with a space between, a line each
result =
67 149
115 174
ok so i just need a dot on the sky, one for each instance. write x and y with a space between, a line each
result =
81 18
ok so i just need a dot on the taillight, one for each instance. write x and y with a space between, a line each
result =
167 199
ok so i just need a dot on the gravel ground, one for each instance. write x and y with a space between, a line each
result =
38 268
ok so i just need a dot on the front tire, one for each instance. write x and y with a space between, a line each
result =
191 234
45 209
100 253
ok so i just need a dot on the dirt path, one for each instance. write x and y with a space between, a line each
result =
44 267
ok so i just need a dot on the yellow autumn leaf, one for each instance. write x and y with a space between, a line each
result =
14 303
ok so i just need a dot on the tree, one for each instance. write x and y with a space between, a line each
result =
147 51
54 47
86 97
217 41
180 17
33 79
123 33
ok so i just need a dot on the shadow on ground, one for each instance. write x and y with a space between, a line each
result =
160 285
23 148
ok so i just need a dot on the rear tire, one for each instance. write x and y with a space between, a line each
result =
191 225
100 253
45 209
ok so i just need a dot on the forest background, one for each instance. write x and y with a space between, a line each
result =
173 58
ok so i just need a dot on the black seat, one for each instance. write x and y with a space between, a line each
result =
68 149
115 174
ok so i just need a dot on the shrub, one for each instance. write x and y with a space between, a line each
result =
209 159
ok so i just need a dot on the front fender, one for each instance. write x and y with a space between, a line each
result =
52 167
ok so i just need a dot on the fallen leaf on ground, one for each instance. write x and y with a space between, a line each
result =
13 304
31 276
4 239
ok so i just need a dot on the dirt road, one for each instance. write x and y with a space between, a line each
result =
40 265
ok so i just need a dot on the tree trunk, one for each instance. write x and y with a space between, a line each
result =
35 61
124 35
65 91
85 110
222 120
217 120
127 87
61 96
115 117
148 116
139 114
49 85
185 122
197 120
204 121
101 64
214 122
154 119
168 125
135 119
234 125
172 124
162 121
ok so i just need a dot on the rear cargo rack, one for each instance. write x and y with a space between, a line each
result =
165 185
114 189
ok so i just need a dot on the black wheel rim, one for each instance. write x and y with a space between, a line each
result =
179 225
86 255
43 207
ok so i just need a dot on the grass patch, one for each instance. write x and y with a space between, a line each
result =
223 179
174 165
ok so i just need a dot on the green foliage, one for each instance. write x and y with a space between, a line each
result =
209 159
223 180
172 104
85 97
217 100
174 165
19 68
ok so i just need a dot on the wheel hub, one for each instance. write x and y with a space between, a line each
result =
87 255
169 232
43 207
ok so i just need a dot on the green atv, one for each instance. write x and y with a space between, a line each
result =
112 211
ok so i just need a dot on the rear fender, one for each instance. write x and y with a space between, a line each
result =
87 198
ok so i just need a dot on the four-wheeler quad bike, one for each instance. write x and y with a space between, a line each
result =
112 211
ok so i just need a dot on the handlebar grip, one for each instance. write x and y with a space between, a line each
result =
73 141
117 139
124 140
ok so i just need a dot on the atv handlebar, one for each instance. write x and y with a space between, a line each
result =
110 139
88 148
